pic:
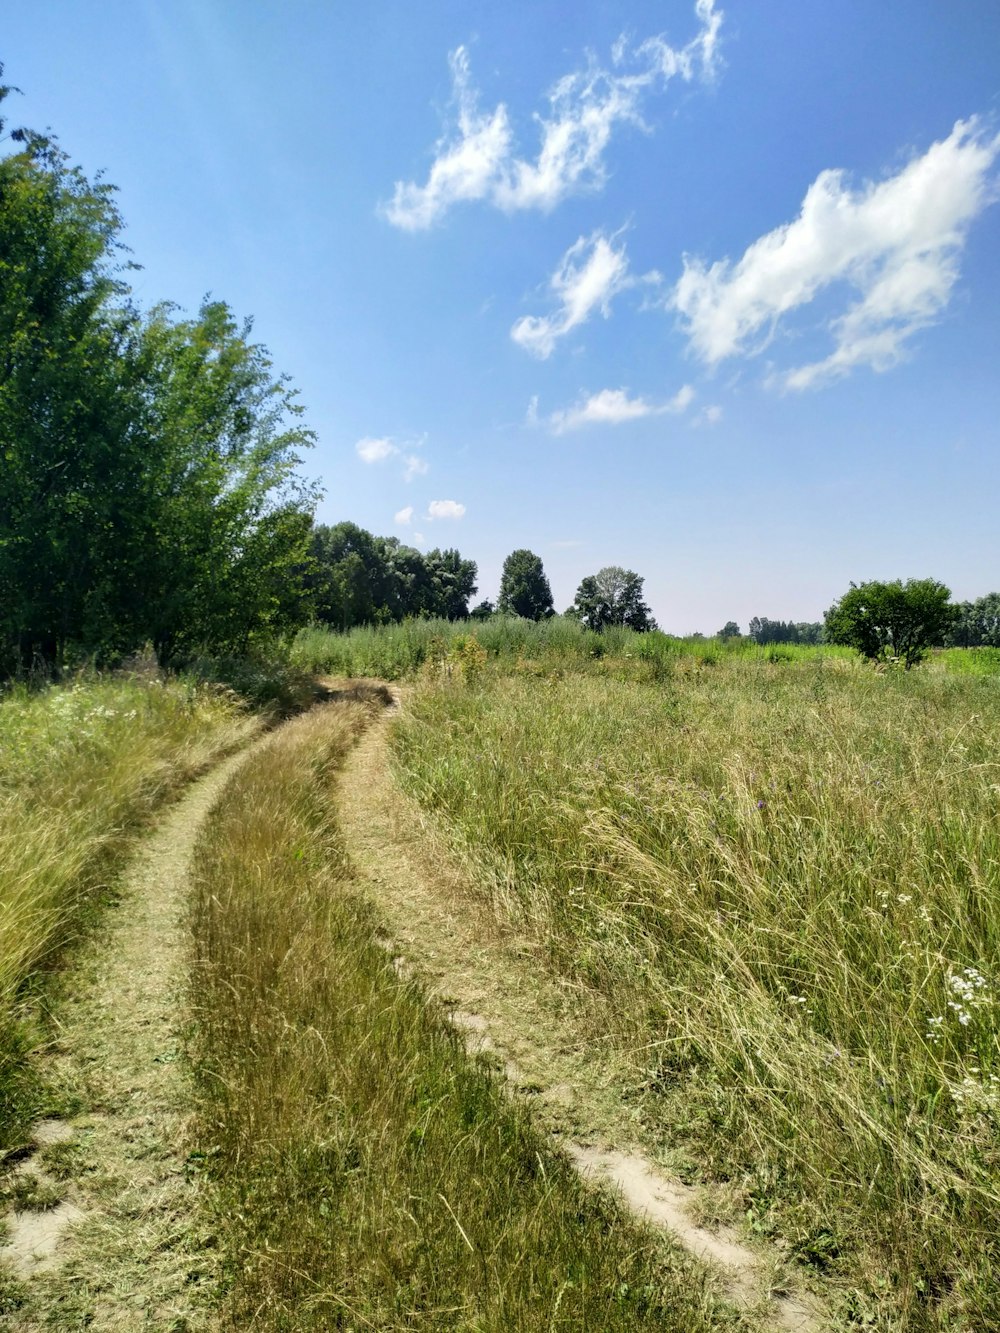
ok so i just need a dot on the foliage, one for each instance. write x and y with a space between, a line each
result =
763 631
977 624
524 589
356 578
147 488
892 620
612 596
784 881
730 630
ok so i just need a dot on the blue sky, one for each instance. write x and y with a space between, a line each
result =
711 291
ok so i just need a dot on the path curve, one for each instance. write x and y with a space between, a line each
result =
123 1251
505 1003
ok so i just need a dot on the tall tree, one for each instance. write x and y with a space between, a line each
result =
612 596
147 485
453 581
892 620
67 394
524 589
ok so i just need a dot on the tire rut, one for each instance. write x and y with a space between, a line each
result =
123 1249
541 1031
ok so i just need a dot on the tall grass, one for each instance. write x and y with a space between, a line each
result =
368 1173
391 652
80 768
787 879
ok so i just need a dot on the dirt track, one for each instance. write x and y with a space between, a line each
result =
121 1251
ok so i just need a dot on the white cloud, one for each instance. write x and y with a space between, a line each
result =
415 467
590 274
404 516
611 407
444 509
895 242
708 416
476 160
371 450
419 538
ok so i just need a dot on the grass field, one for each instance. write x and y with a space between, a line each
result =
368 1173
786 877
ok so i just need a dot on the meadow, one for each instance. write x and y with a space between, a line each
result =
783 875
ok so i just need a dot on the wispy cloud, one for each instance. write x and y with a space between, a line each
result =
371 450
896 243
404 516
611 407
708 416
590 274
444 509
476 157
379 449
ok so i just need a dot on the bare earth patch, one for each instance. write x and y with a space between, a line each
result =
545 1033
120 1249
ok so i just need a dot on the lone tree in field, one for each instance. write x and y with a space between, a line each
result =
892 620
730 630
524 589
612 596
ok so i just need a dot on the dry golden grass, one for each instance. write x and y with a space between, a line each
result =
369 1172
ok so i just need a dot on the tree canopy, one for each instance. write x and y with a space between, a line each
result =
892 620
612 596
524 589
356 578
147 486
977 624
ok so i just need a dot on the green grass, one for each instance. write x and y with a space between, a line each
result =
81 768
393 652
786 878
367 1172
971 661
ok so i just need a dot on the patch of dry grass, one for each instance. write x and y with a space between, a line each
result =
369 1172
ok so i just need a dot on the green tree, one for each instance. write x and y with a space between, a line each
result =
977 624
453 583
524 589
147 483
223 514
730 630
612 596
892 620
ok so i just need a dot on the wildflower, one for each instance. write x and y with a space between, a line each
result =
761 805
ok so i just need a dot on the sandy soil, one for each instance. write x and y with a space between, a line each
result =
545 1034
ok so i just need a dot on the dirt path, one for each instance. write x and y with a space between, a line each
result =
544 1033
120 1249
